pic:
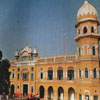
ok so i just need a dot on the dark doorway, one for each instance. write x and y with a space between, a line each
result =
25 89
12 89
41 92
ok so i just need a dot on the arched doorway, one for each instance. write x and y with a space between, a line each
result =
71 94
60 93
12 89
50 93
41 92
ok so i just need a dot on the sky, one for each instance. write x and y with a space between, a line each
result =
40 23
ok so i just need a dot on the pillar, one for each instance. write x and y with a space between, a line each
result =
65 95
46 93
55 95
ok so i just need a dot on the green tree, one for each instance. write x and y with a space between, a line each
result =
4 75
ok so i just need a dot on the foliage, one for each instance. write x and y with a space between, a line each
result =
4 75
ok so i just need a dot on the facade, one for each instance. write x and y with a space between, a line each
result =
68 77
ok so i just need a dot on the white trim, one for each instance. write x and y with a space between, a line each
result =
87 91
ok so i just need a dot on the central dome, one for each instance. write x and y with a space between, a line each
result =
86 12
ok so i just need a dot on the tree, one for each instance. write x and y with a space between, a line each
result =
4 75
0 54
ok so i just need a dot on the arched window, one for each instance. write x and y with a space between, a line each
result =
60 93
85 30
32 76
71 74
42 91
86 73
78 31
92 29
50 74
60 74
93 50
31 89
41 75
18 76
95 73
79 51
79 73
13 75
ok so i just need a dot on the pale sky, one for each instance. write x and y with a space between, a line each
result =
41 23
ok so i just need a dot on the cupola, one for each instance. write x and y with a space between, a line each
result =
86 12
16 54
35 52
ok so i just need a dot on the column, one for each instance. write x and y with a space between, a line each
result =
46 94
99 98
55 95
82 97
65 95
91 97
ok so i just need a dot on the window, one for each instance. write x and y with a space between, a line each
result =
79 73
85 30
18 76
60 74
93 50
31 89
95 73
13 75
92 29
25 76
32 68
78 31
41 75
32 76
86 97
80 97
18 69
50 74
86 72
95 97
17 87
70 74
79 51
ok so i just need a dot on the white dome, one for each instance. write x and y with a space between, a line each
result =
85 9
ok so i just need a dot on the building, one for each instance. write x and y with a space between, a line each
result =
68 77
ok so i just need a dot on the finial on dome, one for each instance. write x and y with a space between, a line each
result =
16 54
86 1
35 52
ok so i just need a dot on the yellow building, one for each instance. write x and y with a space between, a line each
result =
68 77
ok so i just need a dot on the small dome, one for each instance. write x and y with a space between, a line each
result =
27 49
86 12
35 50
17 53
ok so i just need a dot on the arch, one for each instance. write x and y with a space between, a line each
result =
12 89
50 74
86 73
87 94
79 51
50 68
70 73
85 29
60 93
71 94
60 73
32 76
50 92
60 68
92 29
41 89
93 50
78 31
41 75
95 72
